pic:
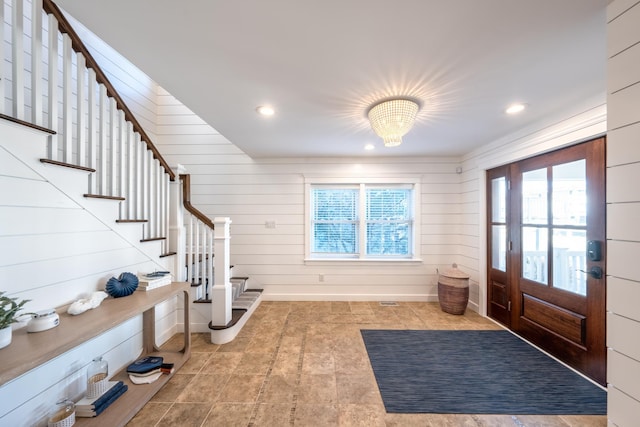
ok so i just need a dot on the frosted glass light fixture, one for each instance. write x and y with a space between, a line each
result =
392 119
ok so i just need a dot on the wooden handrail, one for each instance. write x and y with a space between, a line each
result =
65 27
186 200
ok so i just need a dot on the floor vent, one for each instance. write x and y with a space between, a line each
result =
388 303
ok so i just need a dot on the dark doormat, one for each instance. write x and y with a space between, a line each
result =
475 372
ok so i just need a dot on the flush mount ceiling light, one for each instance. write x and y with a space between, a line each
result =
391 119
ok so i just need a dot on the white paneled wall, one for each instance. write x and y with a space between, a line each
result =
56 247
227 182
623 210
53 251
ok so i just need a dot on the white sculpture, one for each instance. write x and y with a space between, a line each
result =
85 304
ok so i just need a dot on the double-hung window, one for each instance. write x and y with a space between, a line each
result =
362 220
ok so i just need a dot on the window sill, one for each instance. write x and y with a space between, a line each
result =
343 261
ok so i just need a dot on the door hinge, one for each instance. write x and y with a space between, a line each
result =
508 184
510 245
509 306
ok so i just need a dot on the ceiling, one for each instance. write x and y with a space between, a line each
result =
321 64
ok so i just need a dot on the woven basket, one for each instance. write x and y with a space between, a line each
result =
453 290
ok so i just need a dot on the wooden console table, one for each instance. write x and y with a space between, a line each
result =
30 350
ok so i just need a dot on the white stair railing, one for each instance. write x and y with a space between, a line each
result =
199 247
54 82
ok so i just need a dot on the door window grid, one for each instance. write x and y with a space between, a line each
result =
565 205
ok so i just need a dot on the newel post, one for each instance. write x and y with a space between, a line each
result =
221 291
177 232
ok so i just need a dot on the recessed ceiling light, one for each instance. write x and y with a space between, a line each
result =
515 108
265 110
369 147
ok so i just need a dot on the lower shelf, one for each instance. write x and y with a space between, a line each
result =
132 401
127 406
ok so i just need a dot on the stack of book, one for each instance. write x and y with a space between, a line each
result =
92 407
157 279
145 370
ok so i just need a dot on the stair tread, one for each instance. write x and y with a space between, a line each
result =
168 254
27 124
236 315
67 165
100 196
152 239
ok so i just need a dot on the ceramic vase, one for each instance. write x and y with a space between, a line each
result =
5 336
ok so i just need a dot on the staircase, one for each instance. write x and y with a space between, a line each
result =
55 86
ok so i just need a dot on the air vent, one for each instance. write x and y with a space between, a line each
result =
388 303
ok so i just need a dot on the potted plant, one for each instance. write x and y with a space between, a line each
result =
9 308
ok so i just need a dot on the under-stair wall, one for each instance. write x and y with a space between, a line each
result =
55 247
56 244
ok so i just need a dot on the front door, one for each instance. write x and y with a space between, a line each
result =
546 236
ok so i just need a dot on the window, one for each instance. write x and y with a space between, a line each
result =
362 221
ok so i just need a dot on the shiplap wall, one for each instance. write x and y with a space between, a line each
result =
55 249
623 212
252 192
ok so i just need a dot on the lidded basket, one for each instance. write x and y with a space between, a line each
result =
453 290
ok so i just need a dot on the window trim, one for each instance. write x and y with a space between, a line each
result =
358 182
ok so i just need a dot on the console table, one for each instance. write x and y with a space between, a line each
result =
30 350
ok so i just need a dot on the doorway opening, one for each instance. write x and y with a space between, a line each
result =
546 253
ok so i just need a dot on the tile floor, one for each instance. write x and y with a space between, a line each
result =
304 364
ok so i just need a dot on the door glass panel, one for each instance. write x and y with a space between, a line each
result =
499 247
534 254
569 204
534 197
569 257
498 200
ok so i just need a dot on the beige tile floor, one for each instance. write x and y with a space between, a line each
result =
305 364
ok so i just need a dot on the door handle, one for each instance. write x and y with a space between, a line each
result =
595 272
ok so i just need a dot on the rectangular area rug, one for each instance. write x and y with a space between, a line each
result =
475 372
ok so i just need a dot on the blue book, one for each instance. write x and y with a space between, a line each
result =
113 398
91 403
94 412
144 365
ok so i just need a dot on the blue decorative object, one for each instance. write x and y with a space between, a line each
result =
124 285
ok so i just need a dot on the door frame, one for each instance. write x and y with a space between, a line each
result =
593 361
567 129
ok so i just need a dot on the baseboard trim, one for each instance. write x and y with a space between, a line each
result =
267 296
